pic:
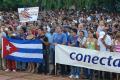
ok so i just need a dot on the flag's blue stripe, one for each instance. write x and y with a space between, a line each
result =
25 41
23 50
37 60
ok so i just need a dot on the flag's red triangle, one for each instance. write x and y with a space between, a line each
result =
7 47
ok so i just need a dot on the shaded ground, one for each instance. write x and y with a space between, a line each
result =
27 76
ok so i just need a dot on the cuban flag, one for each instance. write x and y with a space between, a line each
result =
22 50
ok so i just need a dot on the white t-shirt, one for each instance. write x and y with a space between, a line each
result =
89 18
108 41
1 18
100 28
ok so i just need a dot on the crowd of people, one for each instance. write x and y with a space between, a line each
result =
92 30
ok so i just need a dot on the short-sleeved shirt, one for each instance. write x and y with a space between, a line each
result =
59 38
73 40
49 36
108 41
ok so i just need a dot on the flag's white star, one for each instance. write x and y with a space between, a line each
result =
8 47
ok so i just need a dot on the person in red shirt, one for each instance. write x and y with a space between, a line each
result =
10 64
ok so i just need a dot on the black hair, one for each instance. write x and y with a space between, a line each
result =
74 30
52 31
83 33
41 28
10 28
24 29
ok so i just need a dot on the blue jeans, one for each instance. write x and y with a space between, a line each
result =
44 67
88 72
75 71
21 65
52 55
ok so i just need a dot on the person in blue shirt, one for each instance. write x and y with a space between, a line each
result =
49 35
73 41
66 31
59 38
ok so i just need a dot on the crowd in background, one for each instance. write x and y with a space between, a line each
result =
92 30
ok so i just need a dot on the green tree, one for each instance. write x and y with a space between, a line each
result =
109 5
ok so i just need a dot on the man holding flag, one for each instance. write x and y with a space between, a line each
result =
43 68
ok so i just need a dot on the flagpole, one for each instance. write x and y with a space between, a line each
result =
55 62
2 54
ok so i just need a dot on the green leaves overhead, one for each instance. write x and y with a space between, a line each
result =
110 5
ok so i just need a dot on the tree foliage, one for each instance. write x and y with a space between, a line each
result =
109 5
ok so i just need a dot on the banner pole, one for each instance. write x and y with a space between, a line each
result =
55 69
55 62
117 76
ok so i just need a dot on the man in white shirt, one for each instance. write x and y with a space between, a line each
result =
104 41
